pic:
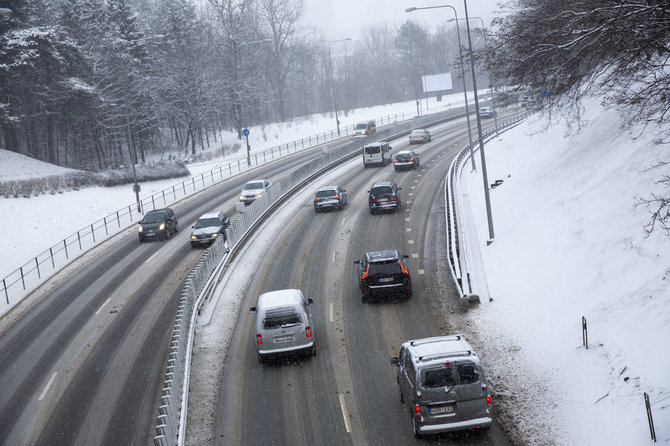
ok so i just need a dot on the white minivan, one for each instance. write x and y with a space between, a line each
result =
377 154
283 324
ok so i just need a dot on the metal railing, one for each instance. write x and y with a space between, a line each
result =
22 281
456 248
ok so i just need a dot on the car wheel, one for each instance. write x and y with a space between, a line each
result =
415 426
402 400
313 351
193 245
365 298
167 234
316 210
176 226
372 211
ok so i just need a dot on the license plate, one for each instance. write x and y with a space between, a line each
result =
386 279
381 200
284 338
443 409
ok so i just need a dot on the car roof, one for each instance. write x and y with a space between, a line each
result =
210 215
159 211
382 183
436 349
279 298
382 256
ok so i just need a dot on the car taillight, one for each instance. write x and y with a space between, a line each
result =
259 339
336 197
395 160
411 159
317 199
308 332
488 400
372 200
417 412
395 198
365 274
404 270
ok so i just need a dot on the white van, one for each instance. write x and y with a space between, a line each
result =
377 154
283 323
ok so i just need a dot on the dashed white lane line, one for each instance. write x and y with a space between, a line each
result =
332 259
46 389
410 242
332 312
408 230
103 306
415 255
421 272
344 413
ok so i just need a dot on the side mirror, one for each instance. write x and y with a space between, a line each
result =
400 188
192 226
252 309
310 301
394 361
405 256
357 262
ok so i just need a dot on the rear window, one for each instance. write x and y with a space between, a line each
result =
417 132
467 373
403 156
371 150
438 377
387 267
381 190
326 193
283 319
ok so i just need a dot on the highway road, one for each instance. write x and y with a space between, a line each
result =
347 394
83 365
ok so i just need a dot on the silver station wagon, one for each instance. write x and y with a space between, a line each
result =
283 324
444 384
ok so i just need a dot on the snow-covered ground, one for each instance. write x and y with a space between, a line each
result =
568 243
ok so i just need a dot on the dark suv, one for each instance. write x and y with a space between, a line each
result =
384 273
159 224
208 228
384 196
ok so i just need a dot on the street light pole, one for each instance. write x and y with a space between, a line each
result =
487 197
486 46
485 178
332 81
465 90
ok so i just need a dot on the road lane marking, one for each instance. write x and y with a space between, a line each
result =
406 218
415 255
332 260
408 230
103 306
46 389
151 258
411 242
421 272
331 312
344 413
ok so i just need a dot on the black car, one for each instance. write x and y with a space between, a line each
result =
406 159
383 196
208 228
158 224
384 273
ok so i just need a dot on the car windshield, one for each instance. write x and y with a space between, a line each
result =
386 267
381 190
156 217
361 126
403 156
438 377
207 223
254 185
372 149
326 193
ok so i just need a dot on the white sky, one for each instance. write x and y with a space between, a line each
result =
346 18
569 243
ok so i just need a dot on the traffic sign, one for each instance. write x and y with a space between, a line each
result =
245 132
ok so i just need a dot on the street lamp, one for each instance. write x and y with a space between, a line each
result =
487 197
486 47
465 90
332 81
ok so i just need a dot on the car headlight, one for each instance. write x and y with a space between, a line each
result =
215 235
241 197
140 229
161 227
259 195
193 237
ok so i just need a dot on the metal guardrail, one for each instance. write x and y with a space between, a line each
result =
171 420
456 249
22 281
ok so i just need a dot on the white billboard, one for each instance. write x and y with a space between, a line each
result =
437 82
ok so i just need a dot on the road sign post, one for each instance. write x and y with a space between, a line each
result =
245 132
